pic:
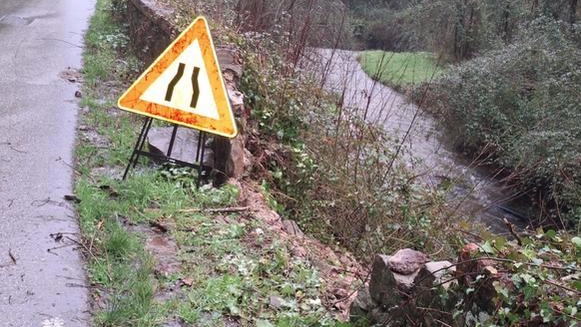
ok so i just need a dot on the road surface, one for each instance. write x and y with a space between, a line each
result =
40 42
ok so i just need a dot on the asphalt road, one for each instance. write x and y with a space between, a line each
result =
39 41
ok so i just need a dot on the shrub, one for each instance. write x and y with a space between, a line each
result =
521 104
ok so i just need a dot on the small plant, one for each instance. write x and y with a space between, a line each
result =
532 284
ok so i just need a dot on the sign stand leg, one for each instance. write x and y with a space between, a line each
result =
201 151
172 140
138 146
138 151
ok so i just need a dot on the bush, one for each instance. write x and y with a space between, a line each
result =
521 104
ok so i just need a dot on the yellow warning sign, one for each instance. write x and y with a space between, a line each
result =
184 85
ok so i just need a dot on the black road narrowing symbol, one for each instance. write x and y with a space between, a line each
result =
196 88
176 79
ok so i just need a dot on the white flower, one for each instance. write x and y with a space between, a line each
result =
53 322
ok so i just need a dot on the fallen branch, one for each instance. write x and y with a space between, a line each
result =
216 210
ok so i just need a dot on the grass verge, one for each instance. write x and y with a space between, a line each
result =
155 257
399 70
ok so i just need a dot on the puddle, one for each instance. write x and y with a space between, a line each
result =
165 253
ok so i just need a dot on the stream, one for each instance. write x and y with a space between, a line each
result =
476 191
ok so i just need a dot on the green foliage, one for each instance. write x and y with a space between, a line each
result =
533 284
521 104
383 25
400 70
274 95
453 29
104 41
234 282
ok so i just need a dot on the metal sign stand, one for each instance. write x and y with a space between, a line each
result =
138 151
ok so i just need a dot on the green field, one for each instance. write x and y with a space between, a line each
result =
399 69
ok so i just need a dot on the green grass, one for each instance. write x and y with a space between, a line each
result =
399 70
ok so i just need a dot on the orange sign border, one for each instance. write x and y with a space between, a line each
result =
130 100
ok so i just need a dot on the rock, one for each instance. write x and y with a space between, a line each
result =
235 163
236 97
471 265
230 59
394 274
275 302
362 305
230 154
184 148
291 227
435 272
407 261
392 284
382 285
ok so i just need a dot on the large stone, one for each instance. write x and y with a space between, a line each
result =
392 277
431 275
383 286
150 27
407 261
230 59
362 305
229 154
185 145
402 286
434 273
235 163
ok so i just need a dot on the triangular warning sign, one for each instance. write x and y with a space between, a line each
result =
184 85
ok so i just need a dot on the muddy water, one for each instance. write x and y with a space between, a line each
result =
42 281
476 192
